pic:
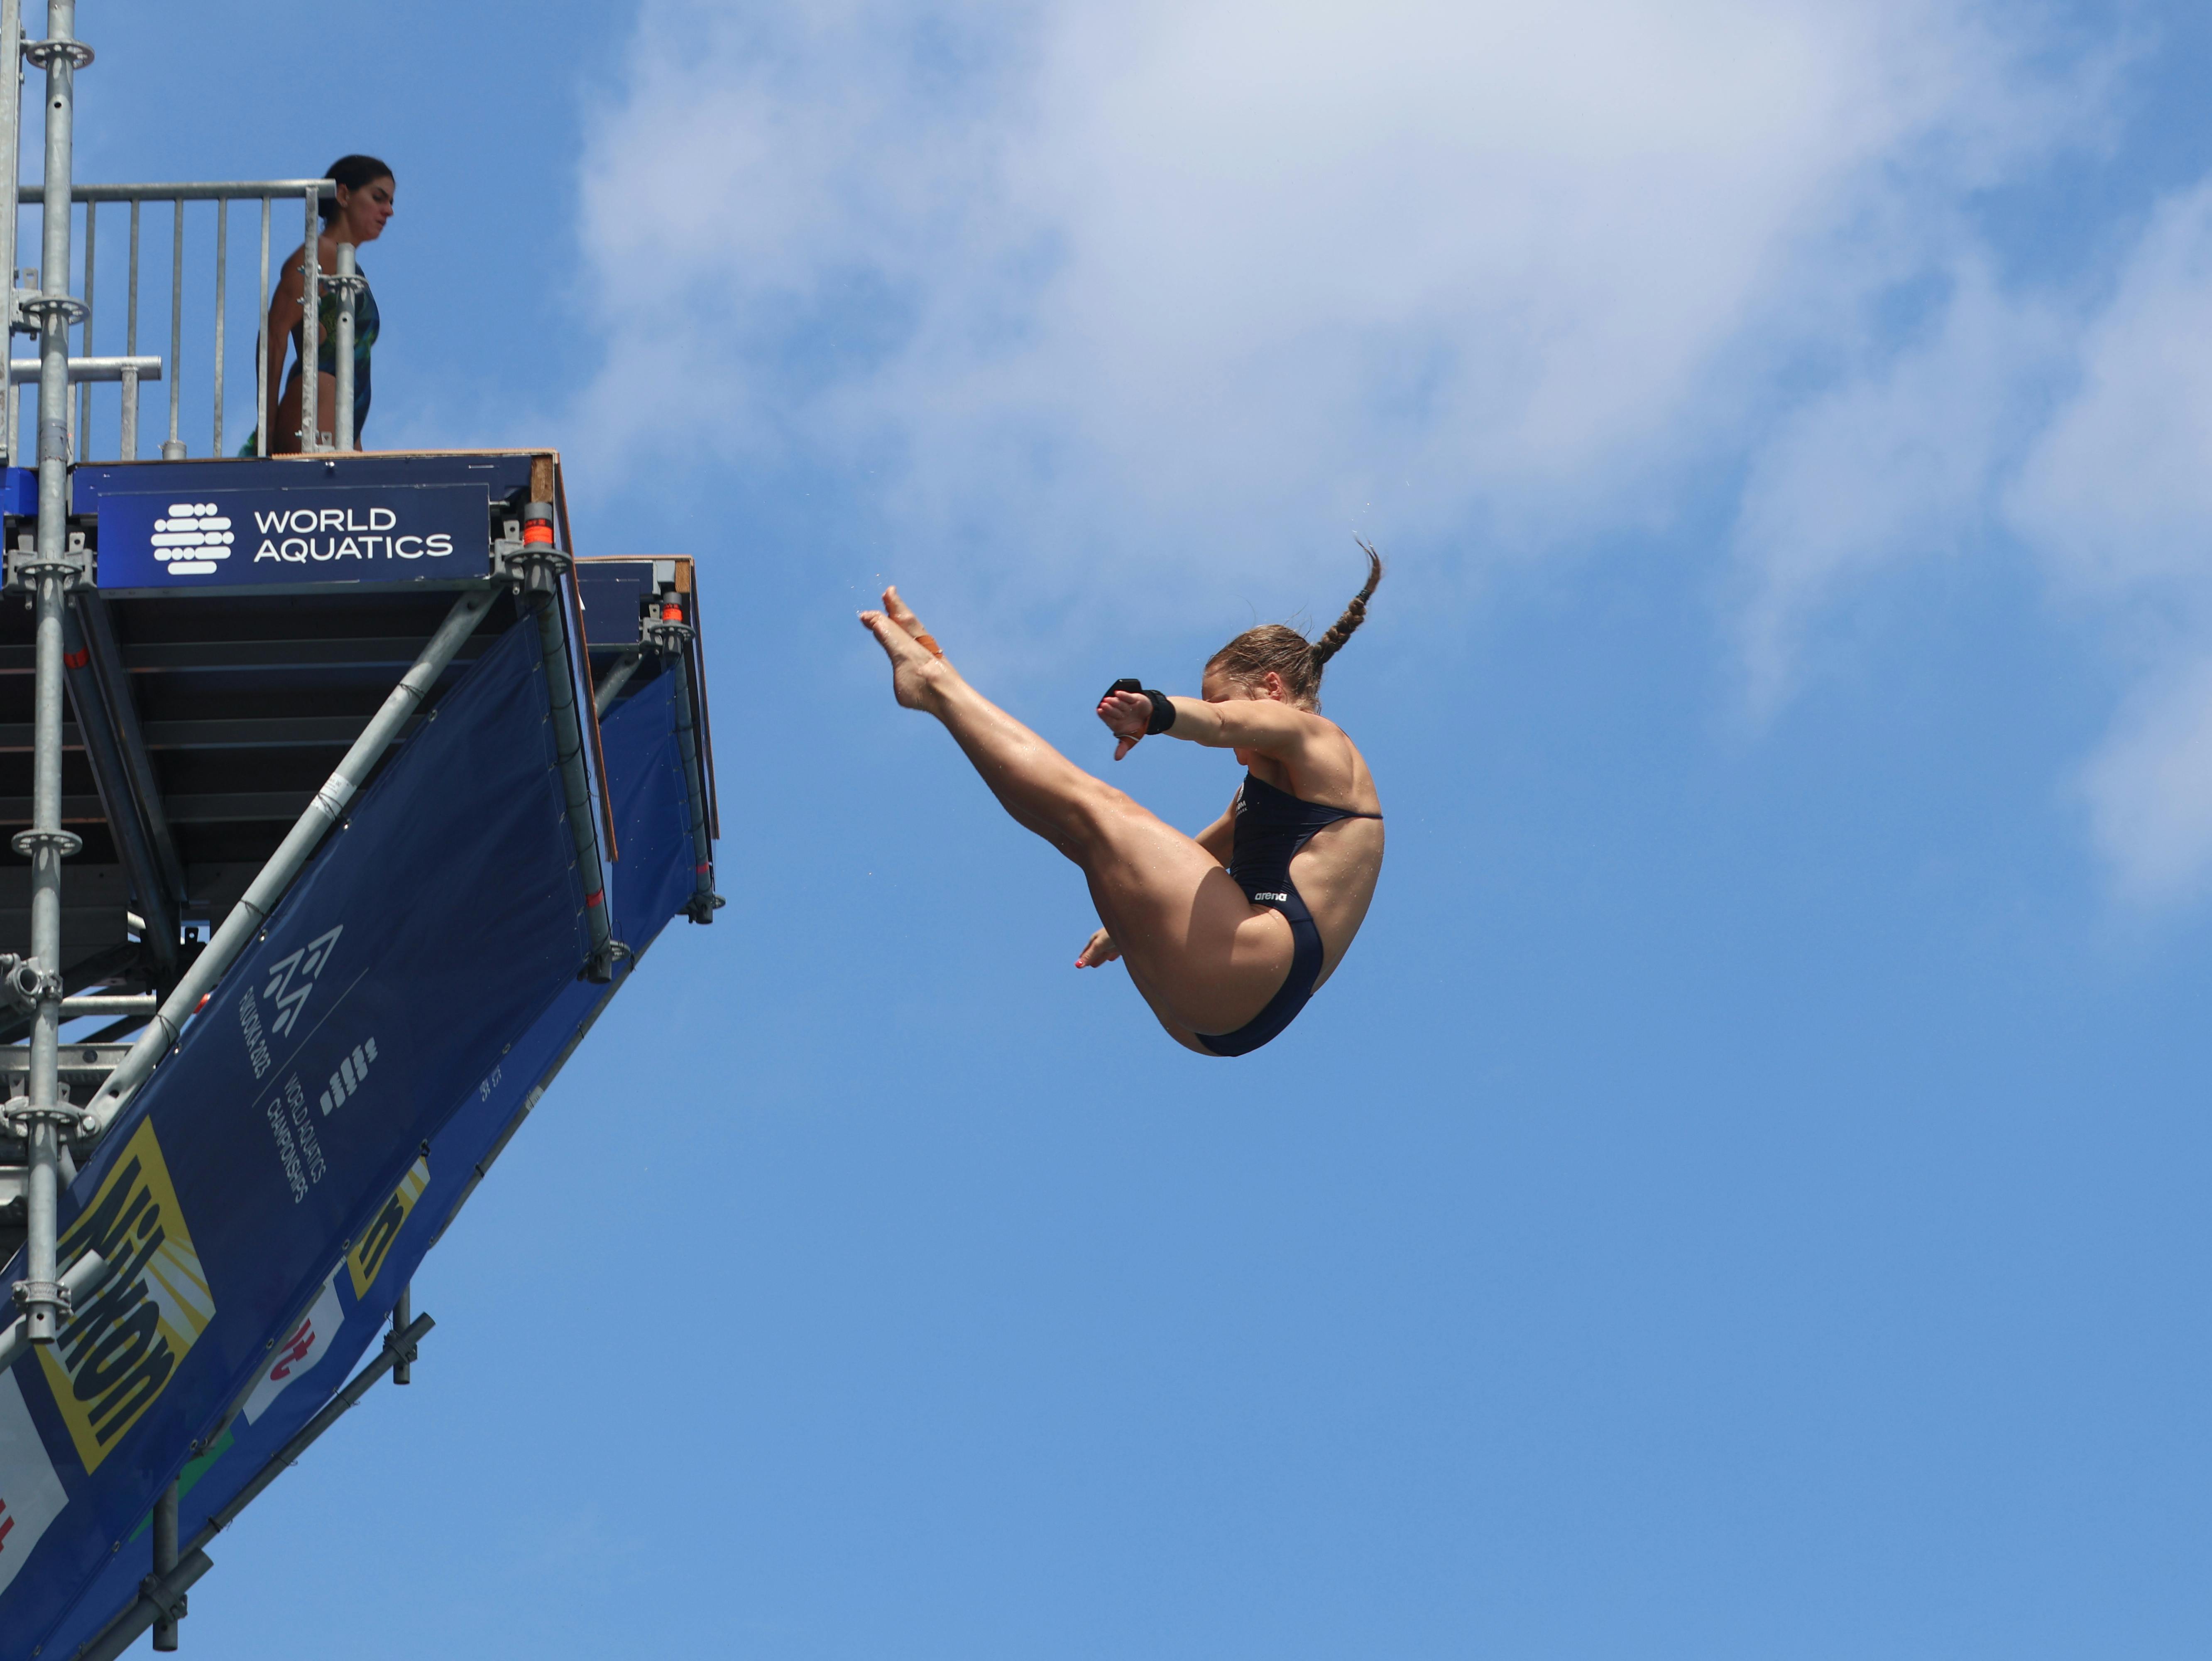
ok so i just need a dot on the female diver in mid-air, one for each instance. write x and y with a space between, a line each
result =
1226 934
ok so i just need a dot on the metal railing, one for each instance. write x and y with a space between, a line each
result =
132 368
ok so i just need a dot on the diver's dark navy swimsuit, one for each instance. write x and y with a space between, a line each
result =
1272 826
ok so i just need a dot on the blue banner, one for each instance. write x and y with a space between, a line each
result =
351 1305
256 1192
313 534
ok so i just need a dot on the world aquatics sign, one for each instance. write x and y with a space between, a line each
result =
291 537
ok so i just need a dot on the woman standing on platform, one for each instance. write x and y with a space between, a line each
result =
1228 933
357 214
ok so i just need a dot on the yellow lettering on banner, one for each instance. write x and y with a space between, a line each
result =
116 1354
365 1259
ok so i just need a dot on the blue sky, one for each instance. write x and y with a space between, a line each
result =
1743 1194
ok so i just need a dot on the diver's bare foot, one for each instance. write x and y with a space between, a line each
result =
902 614
914 671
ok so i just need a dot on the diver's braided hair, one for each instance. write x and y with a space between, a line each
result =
1279 648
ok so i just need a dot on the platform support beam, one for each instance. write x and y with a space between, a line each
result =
704 901
402 1317
538 567
165 1565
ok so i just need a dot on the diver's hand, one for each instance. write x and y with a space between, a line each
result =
1126 714
1101 950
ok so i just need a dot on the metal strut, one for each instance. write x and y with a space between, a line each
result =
347 286
49 572
671 637
535 566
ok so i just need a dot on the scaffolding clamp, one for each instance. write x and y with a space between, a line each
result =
23 983
524 554
168 1602
74 566
43 54
40 306
68 1119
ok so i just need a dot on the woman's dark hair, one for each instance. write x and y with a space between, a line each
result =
352 172
1283 649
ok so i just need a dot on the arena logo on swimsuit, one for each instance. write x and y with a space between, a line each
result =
336 533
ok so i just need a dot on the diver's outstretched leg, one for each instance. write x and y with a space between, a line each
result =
1205 957
1047 792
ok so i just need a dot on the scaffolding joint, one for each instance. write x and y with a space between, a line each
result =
23 983
702 906
534 567
72 566
599 968
71 311
42 54
68 1119
169 1603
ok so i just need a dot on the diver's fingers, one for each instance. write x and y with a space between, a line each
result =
1130 712
902 614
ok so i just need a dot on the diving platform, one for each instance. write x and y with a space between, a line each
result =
339 793
364 843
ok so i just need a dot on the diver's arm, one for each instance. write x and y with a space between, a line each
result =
1266 725
1272 728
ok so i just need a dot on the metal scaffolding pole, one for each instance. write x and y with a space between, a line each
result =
165 1564
345 284
542 564
173 447
310 325
128 445
42 1116
11 122
704 901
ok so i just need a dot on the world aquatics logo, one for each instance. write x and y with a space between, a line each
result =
192 539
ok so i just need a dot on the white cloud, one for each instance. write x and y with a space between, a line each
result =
1903 459
1074 291
2117 495
2149 789
1217 273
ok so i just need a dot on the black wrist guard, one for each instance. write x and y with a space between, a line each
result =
1163 710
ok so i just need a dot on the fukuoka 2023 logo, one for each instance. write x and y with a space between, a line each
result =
117 1352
